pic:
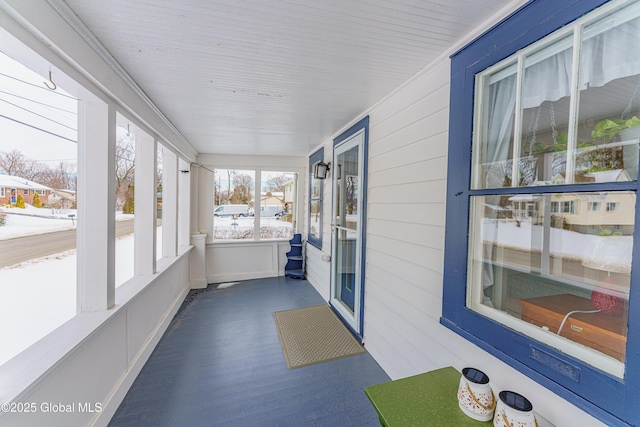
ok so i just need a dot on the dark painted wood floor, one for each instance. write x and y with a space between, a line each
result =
220 364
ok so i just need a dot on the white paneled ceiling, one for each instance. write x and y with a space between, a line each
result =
274 77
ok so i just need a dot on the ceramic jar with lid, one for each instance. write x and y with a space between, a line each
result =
475 397
514 410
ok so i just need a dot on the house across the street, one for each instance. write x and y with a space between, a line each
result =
11 186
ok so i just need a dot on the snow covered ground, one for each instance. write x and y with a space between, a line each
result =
39 295
226 228
592 250
29 221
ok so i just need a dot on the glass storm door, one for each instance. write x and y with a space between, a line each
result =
346 241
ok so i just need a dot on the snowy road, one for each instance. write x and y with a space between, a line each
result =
19 249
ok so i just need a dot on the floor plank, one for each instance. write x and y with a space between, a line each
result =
220 364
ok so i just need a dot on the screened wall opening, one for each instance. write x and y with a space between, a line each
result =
126 135
278 204
38 211
234 204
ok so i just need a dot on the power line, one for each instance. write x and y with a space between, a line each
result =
38 102
37 128
38 86
39 115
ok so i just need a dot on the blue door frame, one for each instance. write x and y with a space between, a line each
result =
355 295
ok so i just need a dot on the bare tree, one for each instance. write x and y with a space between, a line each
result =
242 188
125 164
15 163
12 162
63 176
276 183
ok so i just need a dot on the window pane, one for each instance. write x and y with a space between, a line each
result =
125 198
277 203
494 149
609 107
567 271
314 218
545 113
233 212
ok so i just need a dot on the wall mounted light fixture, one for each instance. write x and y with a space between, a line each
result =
321 169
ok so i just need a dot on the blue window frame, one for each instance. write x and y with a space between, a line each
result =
314 211
610 398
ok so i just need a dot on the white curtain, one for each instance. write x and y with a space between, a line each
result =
610 50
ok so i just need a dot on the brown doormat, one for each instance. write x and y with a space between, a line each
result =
313 335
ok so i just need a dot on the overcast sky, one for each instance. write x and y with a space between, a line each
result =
24 102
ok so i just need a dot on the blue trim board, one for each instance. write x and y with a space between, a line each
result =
360 125
316 157
614 401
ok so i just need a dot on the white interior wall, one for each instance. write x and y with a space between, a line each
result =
405 248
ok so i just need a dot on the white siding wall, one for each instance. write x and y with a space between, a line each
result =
405 248
318 271
405 227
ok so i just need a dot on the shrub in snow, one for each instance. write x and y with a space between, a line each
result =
20 201
3 218
128 206
36 201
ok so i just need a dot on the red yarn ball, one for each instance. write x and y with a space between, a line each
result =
604 300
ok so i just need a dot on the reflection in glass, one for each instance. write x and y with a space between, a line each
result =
315 187
560 261
347 220
545 113
494 152
314 219
609 127
606 131
346 266
347 188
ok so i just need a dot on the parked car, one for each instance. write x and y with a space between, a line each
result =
271 210
229 210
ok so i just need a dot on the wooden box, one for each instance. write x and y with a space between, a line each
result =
602 332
